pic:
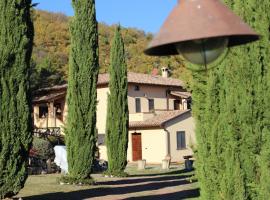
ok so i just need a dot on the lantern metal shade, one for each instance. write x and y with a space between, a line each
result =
199 19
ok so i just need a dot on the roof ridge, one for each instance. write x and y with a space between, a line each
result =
133 77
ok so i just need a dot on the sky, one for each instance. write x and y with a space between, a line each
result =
147 15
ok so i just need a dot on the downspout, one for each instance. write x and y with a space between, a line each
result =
168 143
167 99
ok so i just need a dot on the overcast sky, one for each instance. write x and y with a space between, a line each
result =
147 15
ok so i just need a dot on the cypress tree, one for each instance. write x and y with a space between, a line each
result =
82 80
198 109
263 16
117 115
238 153
16 40
246 79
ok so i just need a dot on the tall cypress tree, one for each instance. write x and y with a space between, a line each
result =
241 126
82 80
263 16
198 110
117 115
16 40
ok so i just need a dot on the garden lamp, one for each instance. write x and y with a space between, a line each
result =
200 30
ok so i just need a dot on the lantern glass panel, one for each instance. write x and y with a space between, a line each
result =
202 51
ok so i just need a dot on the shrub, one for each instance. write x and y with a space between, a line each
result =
69 180
42 149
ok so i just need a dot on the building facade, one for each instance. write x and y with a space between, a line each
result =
160 121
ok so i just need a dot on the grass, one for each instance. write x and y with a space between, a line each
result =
150 170
44 184
151 183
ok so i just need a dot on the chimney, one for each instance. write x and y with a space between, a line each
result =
154 72
165 72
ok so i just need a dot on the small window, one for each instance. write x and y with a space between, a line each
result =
138 105
181 140
151 104
189 103
176 104
43 111
101 139
58 110
137 88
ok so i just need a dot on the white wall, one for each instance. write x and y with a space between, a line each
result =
158 93
153 145
183 123
102 96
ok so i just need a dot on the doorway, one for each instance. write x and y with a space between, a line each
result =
136 146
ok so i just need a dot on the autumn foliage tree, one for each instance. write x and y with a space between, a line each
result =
50 54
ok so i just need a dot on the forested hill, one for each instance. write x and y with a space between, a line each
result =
51 48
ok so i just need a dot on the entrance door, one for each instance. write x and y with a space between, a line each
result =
136 146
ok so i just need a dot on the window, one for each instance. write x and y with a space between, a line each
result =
189 103
176 104
137 88
43 111
138 105
58 110
151 105
181 140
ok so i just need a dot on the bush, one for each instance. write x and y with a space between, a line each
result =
69 180
118 174
56 140
42 149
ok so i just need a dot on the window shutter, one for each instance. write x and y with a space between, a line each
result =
181 140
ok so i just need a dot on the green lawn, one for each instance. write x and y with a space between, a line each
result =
152 183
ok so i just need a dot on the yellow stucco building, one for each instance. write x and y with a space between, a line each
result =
160 121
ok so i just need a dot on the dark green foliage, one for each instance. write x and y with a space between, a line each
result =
74 180
264 162
233 131
56 140
45 74
43 148
83 71
117 115
16 40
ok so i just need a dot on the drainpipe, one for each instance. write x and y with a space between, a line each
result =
167 99
168 143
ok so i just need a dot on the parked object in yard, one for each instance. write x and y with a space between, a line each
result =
141 164
165 164
188 162
61 158
100 165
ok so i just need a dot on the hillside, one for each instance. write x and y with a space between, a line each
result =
51 48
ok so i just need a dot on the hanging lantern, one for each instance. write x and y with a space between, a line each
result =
200 30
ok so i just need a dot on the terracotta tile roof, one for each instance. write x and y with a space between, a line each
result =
153 80
49 97
181 94
51 89
137 78
158 120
